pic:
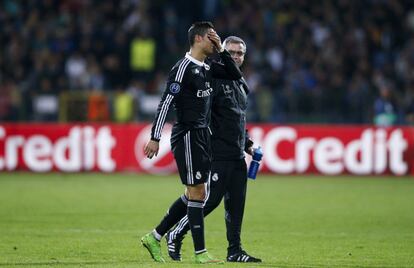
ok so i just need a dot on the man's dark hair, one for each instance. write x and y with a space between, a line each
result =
198 28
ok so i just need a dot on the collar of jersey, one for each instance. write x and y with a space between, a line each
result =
199 63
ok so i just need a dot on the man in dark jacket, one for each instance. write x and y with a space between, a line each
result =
229 172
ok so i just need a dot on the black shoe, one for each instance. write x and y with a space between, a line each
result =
174 246
242 256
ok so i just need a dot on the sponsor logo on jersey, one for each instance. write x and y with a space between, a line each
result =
205 93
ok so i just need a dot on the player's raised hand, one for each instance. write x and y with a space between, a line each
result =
215 39
151 148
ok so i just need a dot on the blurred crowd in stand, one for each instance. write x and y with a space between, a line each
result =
307 61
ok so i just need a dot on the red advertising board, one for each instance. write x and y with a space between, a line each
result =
298 149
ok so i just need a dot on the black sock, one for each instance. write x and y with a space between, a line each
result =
177 210
196 221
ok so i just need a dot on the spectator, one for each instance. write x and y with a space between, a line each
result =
123 106
409 104
45 103
386 107
98 107
8 101
76 71
316 61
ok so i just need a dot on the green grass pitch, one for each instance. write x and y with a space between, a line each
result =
95 220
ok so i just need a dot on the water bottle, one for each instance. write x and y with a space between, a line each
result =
254 165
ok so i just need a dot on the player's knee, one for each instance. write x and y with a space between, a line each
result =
196 192
200 196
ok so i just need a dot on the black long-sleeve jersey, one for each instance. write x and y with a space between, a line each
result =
189 91
228 119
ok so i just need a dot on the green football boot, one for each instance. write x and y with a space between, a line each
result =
153 246
205 258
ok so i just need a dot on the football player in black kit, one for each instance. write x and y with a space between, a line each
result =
189 91
229 172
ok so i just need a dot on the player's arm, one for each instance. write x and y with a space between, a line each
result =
227 68
171 91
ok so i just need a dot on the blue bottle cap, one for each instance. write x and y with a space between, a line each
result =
258 154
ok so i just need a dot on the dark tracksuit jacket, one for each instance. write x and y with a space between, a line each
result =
229 141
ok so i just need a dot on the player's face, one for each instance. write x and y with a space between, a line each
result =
207 45
237 52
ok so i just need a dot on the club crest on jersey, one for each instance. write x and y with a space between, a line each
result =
198 175
175 88
215 177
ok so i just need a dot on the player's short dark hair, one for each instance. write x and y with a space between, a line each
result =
198 28
235 40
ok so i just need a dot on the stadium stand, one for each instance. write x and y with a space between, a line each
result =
324 61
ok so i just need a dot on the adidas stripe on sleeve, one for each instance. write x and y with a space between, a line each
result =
173 88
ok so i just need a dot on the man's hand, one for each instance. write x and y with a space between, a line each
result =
215 39
151 148
248 147
250 150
